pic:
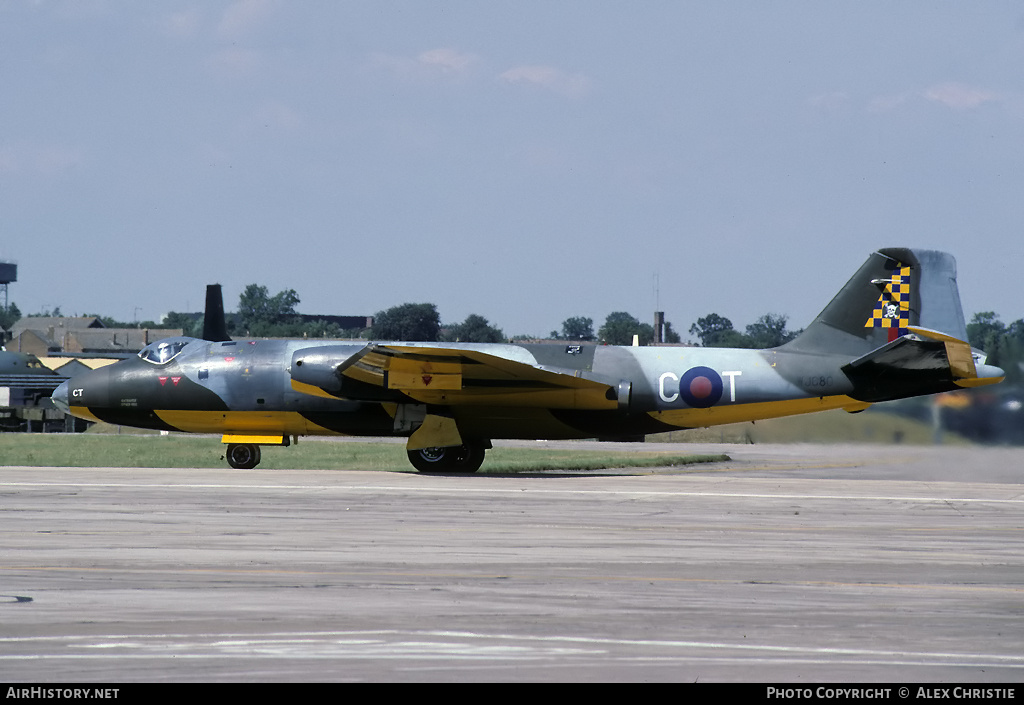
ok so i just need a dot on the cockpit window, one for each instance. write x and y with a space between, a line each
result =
162 350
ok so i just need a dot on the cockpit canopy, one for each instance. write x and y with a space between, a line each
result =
164 350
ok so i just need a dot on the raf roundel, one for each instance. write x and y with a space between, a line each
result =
700 387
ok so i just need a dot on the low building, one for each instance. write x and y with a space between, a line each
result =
117 341
42 335
49 336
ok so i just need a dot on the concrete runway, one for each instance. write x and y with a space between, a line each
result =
788 564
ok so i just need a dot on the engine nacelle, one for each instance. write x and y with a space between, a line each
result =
318 366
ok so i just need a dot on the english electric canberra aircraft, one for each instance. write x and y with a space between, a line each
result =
895 330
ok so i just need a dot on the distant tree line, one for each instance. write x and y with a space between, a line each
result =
9 315
261 314
618 329
421 322
1003 343
768 331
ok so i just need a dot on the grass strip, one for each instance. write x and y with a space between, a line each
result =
182 451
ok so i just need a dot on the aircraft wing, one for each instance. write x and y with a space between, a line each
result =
446 376
913 362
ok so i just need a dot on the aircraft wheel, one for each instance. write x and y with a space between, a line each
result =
466 458
243 456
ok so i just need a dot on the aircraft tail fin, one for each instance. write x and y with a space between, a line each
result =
215 326
894 290
900 316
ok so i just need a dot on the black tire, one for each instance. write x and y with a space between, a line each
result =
243 456
461 459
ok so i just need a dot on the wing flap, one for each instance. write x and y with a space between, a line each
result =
462 375
409 373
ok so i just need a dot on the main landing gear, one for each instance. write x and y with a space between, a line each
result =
243 456
455 459
461 459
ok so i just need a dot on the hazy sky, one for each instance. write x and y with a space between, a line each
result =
527 161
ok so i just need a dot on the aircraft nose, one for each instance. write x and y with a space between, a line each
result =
60 397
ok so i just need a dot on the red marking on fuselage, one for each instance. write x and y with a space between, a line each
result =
700 387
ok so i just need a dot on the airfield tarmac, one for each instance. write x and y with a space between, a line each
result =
795 564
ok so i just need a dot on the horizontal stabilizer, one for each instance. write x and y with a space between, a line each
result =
921 362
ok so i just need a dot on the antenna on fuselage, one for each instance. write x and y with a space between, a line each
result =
215 327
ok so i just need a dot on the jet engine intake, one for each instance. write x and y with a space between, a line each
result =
318 366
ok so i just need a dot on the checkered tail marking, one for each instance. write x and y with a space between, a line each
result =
893 308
